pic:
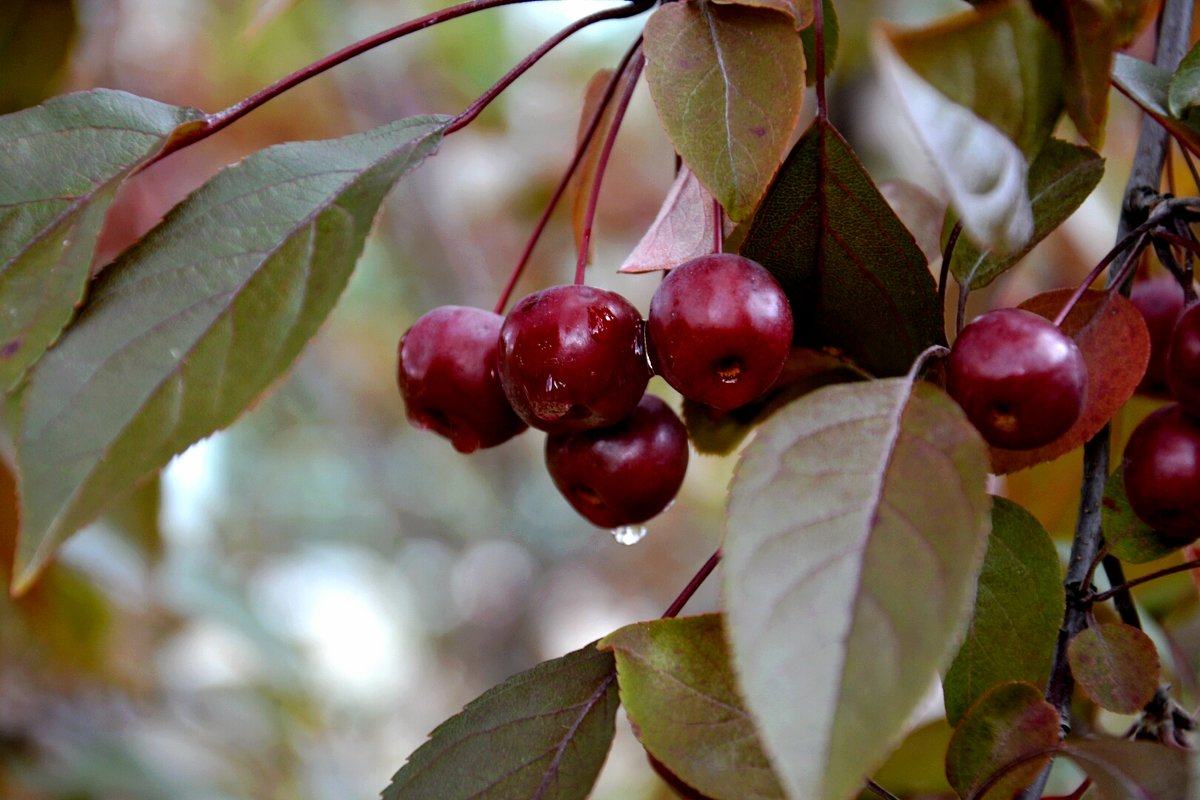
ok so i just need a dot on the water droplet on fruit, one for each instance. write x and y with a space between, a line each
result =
629 534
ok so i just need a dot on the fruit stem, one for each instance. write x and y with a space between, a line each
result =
694 584
947 256
580 150
718 226
632 72
1100 597
1133 253
484 100
223 119
879 790
819 57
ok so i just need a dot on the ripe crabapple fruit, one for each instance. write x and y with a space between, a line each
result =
1162 473
1183 360
624 474
1161 302
573 358
1020 380
450 381
719 330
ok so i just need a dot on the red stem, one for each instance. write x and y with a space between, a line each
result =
634 71
484 100
1141 233
223 119
718 226
1100 597
819 53
694 584
560 190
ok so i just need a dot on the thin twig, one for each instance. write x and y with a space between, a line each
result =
819 58
1100 597
694 584
879 790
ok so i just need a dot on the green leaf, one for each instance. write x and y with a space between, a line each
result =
855 277
1123 770
917 768
35 41
542 734
1018 610
1060 179
1148 85
832 38
1088 31
1127 536
1116 665
1183 92
186 329
726 81
60 166
1009 723
678 687
983 90
857 526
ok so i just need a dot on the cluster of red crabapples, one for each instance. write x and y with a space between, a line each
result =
574 361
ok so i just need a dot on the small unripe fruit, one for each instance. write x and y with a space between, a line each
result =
573 358
719 330
624 474
449 379
1021 381
1183 360
1162 473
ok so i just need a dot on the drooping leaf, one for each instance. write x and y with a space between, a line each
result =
726 81
189 327
579 188
808 36
983 90
1088 31
1124 770
1018 610
1010 722
1148 85
684 228
542 734
806 370
1127 536
1116 665
35 42
1112 335
854 275
678 687
857 526
1132 16
799 11
1183 93
1060 179
60 166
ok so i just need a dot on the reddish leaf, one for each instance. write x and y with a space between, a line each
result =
1087 31
684 228
1116 665
855 277
1008 724
727 84
1123 770
799 11
1116 346
579 188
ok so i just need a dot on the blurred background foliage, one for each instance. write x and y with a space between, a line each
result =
298 601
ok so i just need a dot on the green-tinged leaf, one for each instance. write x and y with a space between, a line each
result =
187 328
1127 536
854 275
1111 333
1018 610
806 370
1060 179
1183 93
542 734
1124 770
983 90
799 11
35 41
1116 665
1010 723
678 687
60 166
917 768
1148 85
1088 31
808 36
857 527
726 81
